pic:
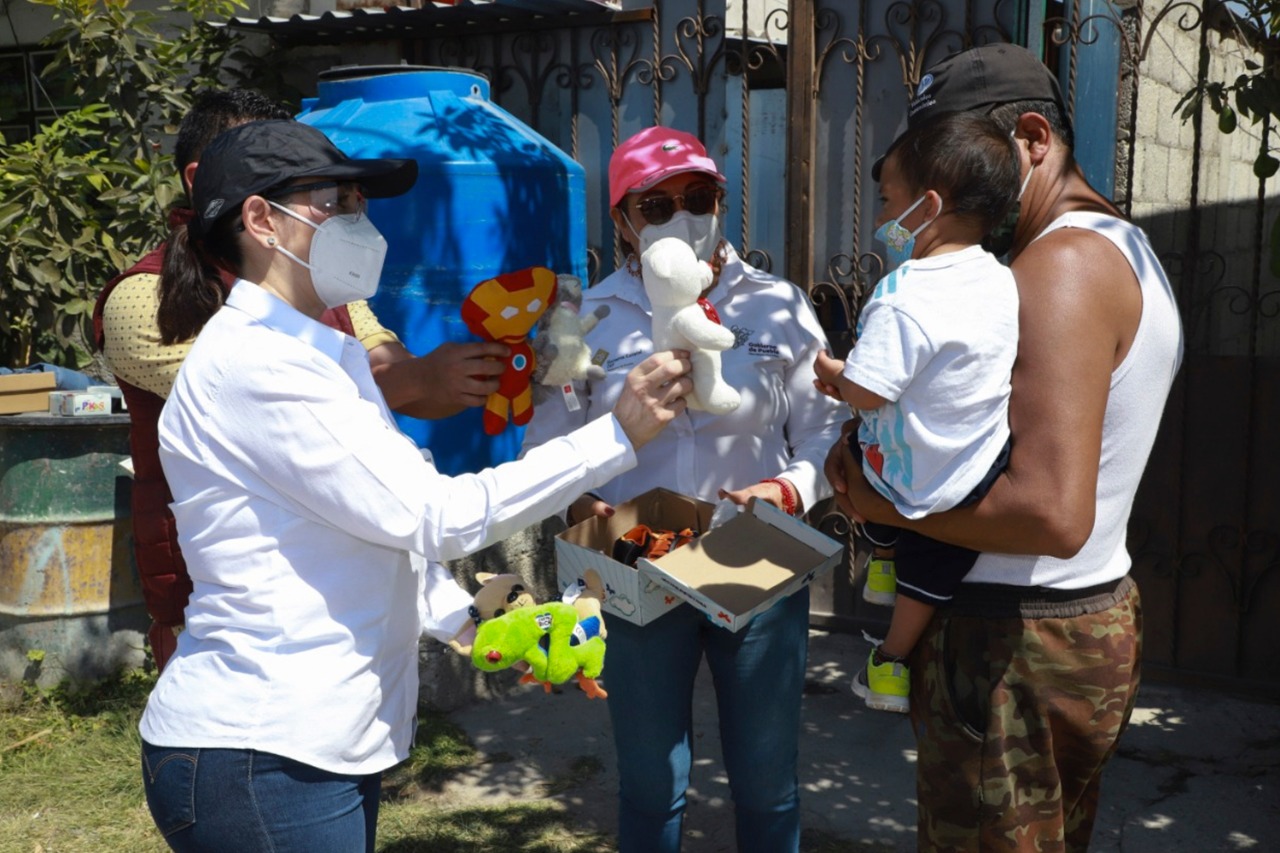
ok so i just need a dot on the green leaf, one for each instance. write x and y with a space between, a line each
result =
46 272
74 208
9 212
1227 119
1189 105
84 196
78 306
1265 166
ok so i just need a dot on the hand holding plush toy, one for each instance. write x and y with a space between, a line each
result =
504 309
497 595
675 279
506 631
559 346
547 637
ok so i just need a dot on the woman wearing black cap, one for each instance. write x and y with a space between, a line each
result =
298 503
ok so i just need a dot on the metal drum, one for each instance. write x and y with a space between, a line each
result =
71 604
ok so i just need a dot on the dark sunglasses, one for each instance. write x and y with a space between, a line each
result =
699 201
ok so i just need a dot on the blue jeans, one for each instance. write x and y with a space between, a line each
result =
758 675
218 800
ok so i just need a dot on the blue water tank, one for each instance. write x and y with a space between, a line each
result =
492 196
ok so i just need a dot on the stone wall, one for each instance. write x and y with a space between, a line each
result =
1168 169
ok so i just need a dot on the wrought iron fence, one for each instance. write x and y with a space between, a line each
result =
796 99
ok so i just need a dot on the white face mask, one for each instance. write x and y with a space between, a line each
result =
700 233
346 257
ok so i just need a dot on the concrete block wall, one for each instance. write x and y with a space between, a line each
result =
1224 319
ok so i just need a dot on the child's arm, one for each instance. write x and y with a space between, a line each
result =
832 382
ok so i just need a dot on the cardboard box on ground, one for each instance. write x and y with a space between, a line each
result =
731 573
21 393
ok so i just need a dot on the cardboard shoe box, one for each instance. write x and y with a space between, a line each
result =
22 393
731 573
631 595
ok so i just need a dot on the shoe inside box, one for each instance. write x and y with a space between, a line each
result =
658 508
729 573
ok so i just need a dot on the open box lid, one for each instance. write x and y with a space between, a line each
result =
746 564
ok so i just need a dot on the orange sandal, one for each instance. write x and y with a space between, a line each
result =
643 541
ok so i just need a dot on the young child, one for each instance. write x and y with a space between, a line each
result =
929 374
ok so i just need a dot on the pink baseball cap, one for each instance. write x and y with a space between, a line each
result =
652 155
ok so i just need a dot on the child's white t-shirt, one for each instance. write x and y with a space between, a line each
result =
937 340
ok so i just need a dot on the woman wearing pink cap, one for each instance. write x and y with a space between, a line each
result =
663 184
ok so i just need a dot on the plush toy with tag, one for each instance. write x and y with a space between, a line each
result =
500 594
586 594
497 595
504 309
675 279
559 346
551 639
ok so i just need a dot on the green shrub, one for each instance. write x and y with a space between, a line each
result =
87 195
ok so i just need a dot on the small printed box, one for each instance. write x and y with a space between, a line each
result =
118 405
79 403
629 594
731 574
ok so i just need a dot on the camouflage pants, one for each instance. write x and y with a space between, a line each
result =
1017 706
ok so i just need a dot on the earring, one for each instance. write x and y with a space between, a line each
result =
633 265
271 241
720 256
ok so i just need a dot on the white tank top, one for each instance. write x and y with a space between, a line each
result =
1139 388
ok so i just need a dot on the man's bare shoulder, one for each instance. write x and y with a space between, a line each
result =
1077 282
1073 260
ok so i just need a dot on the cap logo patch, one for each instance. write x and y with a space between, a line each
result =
669 146
925 82
213 208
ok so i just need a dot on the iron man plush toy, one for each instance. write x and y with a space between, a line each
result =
504 309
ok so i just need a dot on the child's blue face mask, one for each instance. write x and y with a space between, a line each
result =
898 242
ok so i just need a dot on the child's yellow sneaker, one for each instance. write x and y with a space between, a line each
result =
884 686
882 581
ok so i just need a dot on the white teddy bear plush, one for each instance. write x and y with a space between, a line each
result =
674 278
562 356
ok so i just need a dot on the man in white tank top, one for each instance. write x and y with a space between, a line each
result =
1021 689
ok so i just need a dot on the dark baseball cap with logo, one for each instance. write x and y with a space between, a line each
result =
980 78
260 156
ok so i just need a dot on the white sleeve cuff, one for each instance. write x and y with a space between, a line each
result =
442 603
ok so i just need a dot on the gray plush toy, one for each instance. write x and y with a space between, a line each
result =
561 355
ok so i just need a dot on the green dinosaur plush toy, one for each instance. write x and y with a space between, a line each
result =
550 639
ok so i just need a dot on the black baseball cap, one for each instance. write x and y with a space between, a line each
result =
254 158
980 78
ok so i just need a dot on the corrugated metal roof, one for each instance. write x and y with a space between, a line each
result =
435 19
